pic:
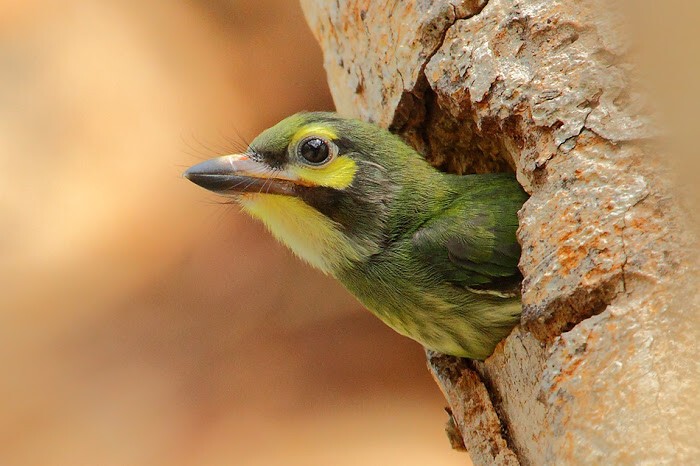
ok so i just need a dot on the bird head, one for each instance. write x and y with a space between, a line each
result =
328 187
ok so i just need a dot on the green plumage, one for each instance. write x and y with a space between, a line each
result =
435 256
451 281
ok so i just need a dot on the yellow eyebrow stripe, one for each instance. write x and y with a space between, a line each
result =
338 174
315 130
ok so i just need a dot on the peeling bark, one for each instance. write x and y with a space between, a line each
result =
602 366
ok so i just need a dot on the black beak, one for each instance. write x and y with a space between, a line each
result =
238 174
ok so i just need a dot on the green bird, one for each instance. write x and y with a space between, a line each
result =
433 255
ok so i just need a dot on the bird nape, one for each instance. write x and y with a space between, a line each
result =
433 255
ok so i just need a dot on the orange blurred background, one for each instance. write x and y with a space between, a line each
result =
143 322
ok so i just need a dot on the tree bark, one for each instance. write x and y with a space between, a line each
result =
603 365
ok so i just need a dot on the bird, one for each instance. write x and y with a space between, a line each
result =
433 255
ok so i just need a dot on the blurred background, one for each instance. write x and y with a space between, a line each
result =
143 322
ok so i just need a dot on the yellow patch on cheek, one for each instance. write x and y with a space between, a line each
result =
338 174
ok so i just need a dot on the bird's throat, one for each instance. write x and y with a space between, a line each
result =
311 235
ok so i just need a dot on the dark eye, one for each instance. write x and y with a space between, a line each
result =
315 150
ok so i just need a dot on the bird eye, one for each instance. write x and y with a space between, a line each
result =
315 150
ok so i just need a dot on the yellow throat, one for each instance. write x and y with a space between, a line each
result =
309 234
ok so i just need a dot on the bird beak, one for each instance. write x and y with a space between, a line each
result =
239 174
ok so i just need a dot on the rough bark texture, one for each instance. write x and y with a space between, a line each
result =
602 368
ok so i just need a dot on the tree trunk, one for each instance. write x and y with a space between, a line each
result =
601 368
